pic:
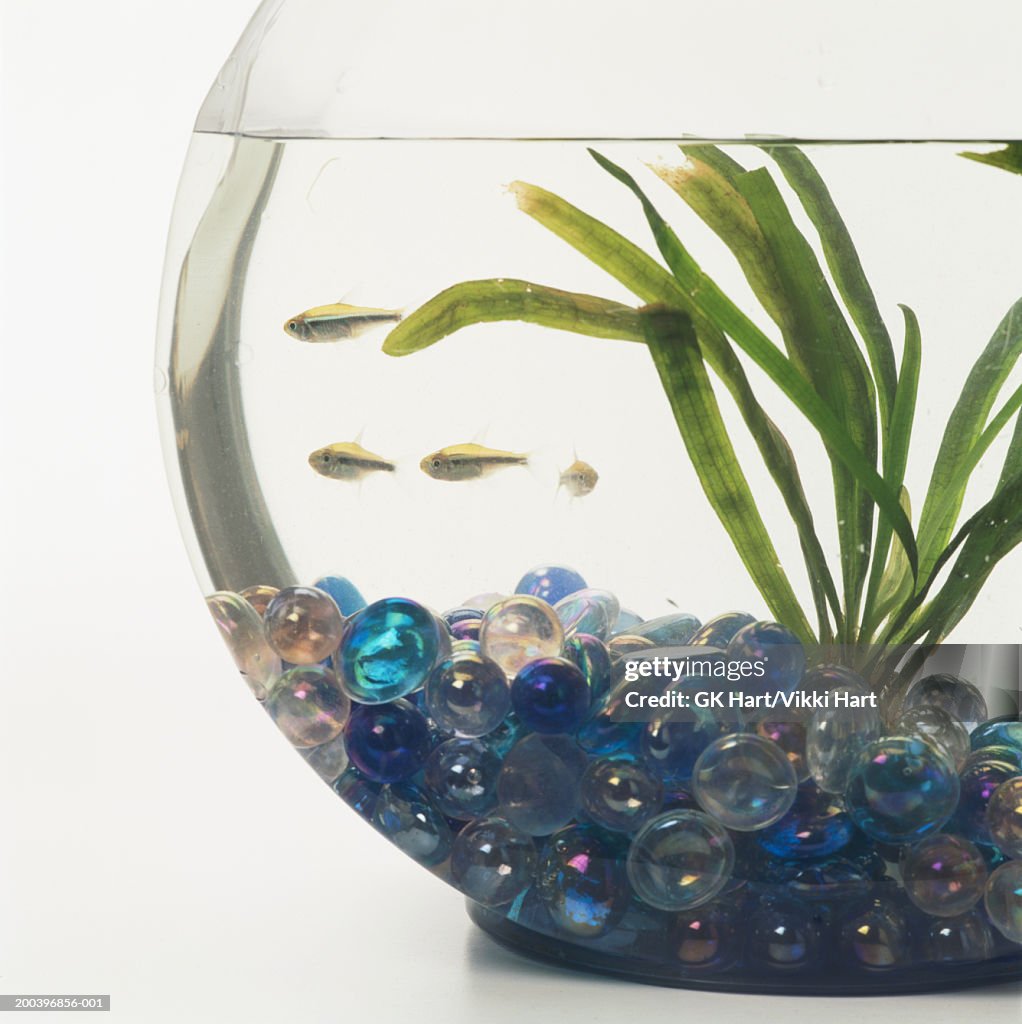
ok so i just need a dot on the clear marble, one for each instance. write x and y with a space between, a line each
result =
958 697
303 625
550 583
538 786
776 649
518 630
980 779
260 596
836 735
492 862
1004 817
958 940
619 794
933 723
468 695
308 705
462 775
242 630
944 875
411 821
1003 900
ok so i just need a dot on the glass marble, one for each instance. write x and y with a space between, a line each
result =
466 629
980 779
409 819
672 742
776 648
518 630
707 938
624 644
744 781
327 760
815 826
604 733
551 695
308 705
1004 817
346 595
830 881
387 742
901 789
680 860
506 735
467 695
550 583
466 648
581 881
358 792
389 650
996 752
626 619
957 940
790 736
1003 900
875 937
958 697
934 724
1001 732
674 630
591 655
260 596
492 861
462 776
242 630
720 630
837 735
619 795
303 625
944 875
455 615
538 786
585 613
784 936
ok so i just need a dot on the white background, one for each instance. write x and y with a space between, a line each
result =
158 842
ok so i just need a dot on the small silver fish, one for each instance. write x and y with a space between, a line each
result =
337 322
579 479
348 460
468 462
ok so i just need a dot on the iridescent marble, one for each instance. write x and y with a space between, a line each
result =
518 630
958 697
721 630
581 881
831 880
409 819
466 648
1001 732
680 860
308 705
389 650
957 940
358 792
587 611
744 781
260 596
934 724
1003 900
996 752
815 826
242 630
468 695
550 583
462 776
538 786
674 630
303 625
455 615
387 742
836 737
1004 817
944 875
706 939
626 619
785 935
672 742
901 789
790 736
492 861
346 595
619 795
591 655
551 695
466 629
328 760
980 779
774 647
876 937
624 644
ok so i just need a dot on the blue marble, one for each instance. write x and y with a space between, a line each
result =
346 595
551 695
720 630
605 732
979 780
581 880
492 862
815 826
409 819
389 650
455 615
538 786
1001 732
551 583
619 794
626 619
588 611
774 647
592 657
466 629
387 742
358 792
673 630
462 776
901 789
468 695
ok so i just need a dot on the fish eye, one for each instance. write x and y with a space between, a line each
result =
325 456
292 326
437 463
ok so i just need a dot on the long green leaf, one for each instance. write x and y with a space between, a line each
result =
601 244
676 355
964 428
846 268
712 156
1008 159
473 302
895 586
1013 459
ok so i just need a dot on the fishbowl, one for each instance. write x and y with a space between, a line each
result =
622 520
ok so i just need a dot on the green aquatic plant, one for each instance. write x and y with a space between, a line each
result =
835 361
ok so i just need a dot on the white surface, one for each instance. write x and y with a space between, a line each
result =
159 841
